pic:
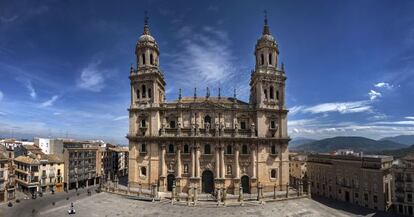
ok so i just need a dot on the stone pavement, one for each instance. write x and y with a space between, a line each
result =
110 205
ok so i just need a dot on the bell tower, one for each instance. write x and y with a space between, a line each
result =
267 87
267 83
147 80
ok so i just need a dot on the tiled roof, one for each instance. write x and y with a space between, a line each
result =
27 160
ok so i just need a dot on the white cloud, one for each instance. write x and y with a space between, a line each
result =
91 78
49 102
1 95
341 107
205 58
121 118
384 85
396 122
295 110
410 117
374 94
8 19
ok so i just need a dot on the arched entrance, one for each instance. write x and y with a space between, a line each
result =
245 182
207 181
170 182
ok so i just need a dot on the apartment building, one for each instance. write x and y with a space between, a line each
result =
82 164
51 173
297 168
116 161
364 180
403 185
7 178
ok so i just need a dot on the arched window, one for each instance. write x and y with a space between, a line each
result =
186 149
243 125
262 59
170 148
143 148
143 91
273 149
138 94
207 119
271 92
272 124
149 92
207 149
229 149
172 124
265 93
270 58
143 171
244 149
143 123
151 59
277 95
273 174
143 59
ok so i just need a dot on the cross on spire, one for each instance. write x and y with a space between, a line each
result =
146 26
146 18
266 30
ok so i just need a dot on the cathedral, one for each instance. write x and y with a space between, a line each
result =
206 143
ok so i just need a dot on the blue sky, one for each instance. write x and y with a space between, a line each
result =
64 65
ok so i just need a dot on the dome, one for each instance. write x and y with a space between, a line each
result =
267 38
146 38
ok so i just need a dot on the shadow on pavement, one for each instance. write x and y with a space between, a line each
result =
352 208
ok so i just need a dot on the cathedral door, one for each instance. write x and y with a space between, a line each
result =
170 182
207 180
245 182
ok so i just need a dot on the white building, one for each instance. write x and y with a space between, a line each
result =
44 144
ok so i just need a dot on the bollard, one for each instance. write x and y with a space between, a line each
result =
195 195
224 196
218 198
287 190
241 195
189 199
259 191
173 194
274 191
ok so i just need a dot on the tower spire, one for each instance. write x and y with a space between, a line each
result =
146 26
266 30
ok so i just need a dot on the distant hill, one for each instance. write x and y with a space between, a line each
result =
398 153
403 139
355 143
295 142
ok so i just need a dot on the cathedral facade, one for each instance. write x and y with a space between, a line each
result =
208 142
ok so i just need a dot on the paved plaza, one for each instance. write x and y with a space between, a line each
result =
110 205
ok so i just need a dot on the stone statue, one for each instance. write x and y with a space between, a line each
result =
253 129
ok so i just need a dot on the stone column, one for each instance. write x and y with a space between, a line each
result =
193 164
217 161
179 162
198 162
236 161
163 161
254 162
223 166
